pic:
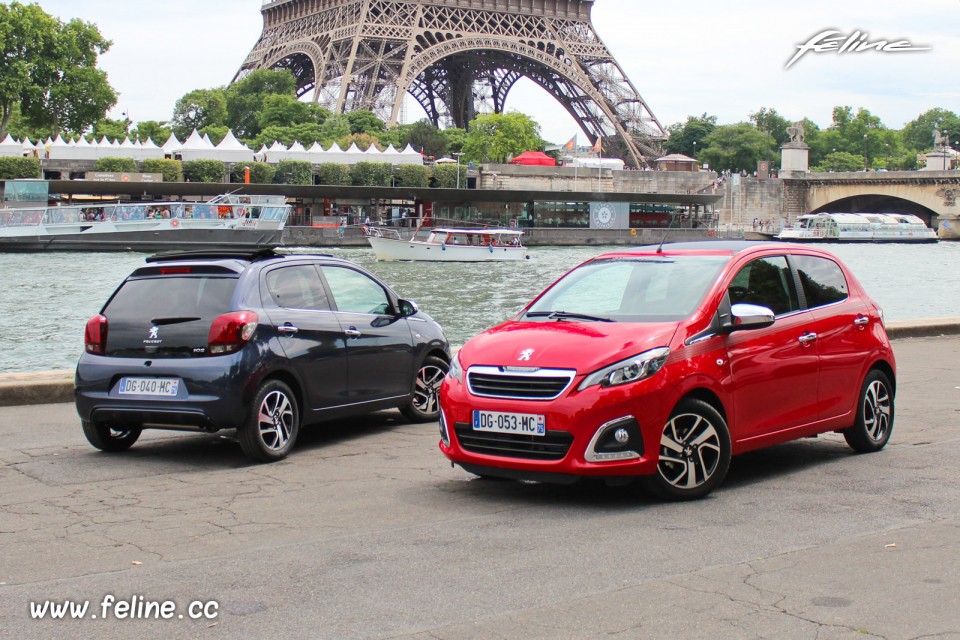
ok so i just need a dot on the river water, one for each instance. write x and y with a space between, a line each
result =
46 299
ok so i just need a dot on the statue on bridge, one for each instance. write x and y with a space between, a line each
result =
796 133
940 141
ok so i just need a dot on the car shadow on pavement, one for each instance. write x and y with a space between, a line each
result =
765 465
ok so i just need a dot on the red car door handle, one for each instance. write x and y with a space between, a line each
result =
808 338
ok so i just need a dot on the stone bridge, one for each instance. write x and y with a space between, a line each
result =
934 196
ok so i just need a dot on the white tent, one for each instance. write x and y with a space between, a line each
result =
410 156
150 151
57 149
297 152
10 147
83 150
196 148
232 150
171 146
353 155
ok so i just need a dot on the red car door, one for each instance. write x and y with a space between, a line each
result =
774 371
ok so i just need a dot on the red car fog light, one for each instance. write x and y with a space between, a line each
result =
616 440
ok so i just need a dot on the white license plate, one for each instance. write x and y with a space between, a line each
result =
521 424
163 387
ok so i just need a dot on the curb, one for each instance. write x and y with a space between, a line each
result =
55 387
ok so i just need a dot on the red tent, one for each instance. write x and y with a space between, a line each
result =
534 158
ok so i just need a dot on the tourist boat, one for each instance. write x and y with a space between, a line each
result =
858 227
226 222
446 244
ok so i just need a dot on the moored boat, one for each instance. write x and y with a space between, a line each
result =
858 227
447 244
227 222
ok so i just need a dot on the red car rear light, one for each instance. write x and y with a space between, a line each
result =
231 331
95 335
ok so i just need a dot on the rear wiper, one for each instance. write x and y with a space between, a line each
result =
174 320
565 315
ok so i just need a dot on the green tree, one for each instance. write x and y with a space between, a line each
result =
737 147
116 165
496 137
216 133
246 96
49 70
334 128
917 135
687 137
412 175
840 161
362 121
172 170
424 137
260 172
112 129
372 174
293 172
306 134
773 123
363 141
159 132
13 167
204 171
445 176
280 110
70 92
199 109
334 173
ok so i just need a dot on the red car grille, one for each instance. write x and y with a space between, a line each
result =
553 446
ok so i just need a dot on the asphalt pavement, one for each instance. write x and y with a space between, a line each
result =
365 531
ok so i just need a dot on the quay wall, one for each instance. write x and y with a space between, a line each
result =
53 387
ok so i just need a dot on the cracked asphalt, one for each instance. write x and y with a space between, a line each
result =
366 532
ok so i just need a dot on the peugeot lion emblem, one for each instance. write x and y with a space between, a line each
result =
154 332
525 355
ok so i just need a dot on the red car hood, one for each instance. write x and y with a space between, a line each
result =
585 346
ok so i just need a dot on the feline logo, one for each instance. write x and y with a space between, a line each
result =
857 42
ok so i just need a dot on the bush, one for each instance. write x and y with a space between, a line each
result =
172 170
446 175
260 172
15 167
413 175
333 173
204 170
293 172
116 165
372 174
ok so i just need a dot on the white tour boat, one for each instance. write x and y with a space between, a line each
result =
444 244
858 227
227 222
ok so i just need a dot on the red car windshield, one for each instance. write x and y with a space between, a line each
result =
630 289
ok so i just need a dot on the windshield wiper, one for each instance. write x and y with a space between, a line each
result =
565 315
173 320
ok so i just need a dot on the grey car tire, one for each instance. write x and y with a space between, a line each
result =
109 438
272 425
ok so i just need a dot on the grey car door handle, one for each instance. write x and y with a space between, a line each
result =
352 332
288 329
808 338
862 321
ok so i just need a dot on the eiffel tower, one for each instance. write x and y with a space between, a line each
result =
457 58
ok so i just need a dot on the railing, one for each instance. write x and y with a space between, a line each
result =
120 213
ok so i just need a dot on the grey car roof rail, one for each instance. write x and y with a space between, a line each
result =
249 255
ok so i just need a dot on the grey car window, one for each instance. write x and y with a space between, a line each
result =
297 287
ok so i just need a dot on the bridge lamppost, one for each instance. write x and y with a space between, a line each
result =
866 164
946 148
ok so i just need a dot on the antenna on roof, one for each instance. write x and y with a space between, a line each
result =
666 233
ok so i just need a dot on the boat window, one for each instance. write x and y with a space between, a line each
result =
297 287
822 280
766 282
354 292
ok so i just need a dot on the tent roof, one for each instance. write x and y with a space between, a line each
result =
534 158
230 143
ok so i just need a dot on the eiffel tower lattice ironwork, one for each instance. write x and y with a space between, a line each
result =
457 58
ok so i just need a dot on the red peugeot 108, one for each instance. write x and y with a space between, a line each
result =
663 362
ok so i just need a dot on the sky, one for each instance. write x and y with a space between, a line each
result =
684 58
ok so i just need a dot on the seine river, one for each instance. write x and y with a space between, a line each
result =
46 299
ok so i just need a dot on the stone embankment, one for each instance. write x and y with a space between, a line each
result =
52 387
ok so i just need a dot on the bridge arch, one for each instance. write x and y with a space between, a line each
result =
879 203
